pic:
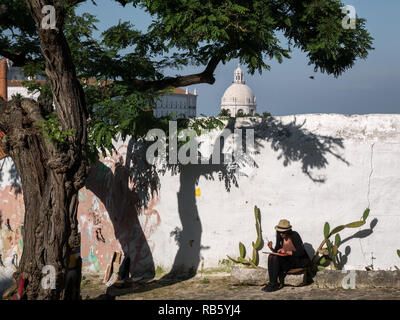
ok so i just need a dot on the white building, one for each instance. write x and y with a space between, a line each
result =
181 102
12 79
238 98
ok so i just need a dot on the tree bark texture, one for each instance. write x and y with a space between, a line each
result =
51 174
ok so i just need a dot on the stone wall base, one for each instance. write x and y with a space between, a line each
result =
346 279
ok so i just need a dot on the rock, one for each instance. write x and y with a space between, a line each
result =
294 280
248 275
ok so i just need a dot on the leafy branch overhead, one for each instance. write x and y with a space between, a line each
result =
129 64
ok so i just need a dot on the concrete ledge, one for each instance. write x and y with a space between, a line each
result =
346 279
357 279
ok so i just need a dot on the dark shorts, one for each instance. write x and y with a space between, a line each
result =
287 263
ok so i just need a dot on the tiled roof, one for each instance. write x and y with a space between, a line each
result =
181 91
20 83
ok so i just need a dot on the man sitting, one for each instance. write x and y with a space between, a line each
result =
291 252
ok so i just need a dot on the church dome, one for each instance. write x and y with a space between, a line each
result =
238 96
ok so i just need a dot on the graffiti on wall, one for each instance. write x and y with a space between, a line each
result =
110 217
11 226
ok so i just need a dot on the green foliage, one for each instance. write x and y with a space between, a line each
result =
336 230
224 113
242 250
355 224
246 115
51 130
17 97
366 214
398 253
337 240
266 114
240 114
328 250
326 230
209 123
254 261
186 33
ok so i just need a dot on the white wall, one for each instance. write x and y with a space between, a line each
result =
358 169
309 169
12 91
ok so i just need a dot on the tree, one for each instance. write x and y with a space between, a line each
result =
52 146
224 113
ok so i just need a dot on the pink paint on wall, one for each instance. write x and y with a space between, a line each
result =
108 214
111 219
12 219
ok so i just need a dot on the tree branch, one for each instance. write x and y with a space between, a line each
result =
74 2
19 59
31 107
207 76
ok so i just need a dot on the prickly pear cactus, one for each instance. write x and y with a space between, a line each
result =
328 250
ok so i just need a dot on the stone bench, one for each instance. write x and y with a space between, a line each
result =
295 272
259 276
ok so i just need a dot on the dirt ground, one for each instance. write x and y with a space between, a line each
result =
221 287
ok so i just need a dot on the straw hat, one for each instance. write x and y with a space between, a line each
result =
283 225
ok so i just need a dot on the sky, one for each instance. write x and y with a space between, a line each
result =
371 86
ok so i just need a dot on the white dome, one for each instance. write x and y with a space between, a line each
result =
238 94
238 98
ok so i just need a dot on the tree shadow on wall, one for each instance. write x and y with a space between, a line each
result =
188 238
124 192
294 143
188 256
358 235
15 182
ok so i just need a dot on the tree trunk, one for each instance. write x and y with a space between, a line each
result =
50 223
51 173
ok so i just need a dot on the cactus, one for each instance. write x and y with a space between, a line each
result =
256 245
330 252
242 250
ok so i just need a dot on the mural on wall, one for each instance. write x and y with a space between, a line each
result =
112 219
11 223
110 214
